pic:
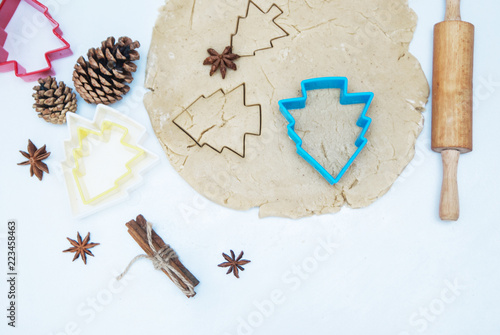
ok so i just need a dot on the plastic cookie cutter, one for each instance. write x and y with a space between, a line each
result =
104 159
7 10
345 99
82 151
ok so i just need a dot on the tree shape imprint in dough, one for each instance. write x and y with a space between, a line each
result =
221 120
247 40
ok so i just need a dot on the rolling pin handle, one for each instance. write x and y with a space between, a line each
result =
452 10
449 208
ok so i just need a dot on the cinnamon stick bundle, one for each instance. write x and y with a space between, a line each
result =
137 229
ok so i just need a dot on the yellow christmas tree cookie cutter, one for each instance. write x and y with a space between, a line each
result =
78 153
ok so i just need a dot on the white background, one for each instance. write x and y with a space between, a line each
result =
395 268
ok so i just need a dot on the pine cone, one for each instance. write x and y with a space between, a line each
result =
53 101
103 78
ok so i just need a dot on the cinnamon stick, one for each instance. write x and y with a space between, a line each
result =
141 238
137 229
141 221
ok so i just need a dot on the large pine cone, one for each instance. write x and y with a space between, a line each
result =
53 101
103 78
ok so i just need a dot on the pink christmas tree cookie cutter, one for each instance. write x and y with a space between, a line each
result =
7 10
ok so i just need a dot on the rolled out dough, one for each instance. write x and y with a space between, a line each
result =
364 40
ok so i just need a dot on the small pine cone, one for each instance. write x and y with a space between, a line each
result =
53 101
103 78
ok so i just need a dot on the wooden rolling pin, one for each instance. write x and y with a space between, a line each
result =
452 100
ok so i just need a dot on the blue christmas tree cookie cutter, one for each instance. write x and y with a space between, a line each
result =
346 98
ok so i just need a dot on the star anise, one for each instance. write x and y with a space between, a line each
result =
81 247
222 61
234 263
35 157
